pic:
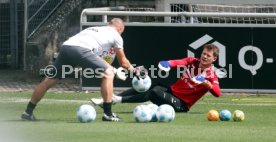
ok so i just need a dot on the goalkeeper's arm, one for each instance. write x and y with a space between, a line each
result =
212 85
167 65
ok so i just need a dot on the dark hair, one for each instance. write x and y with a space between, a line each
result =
212 47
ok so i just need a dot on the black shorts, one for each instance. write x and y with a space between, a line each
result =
74 56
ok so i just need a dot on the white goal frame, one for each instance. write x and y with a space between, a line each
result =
105 14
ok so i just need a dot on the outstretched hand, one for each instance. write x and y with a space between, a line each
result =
164 65
198 79
201 80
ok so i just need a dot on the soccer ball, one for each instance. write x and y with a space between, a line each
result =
213 115
238 115
141 84
165 113
225 115
142 113
153 109
86 113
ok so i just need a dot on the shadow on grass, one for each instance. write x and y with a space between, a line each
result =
124 112
20 120
194 112
40 120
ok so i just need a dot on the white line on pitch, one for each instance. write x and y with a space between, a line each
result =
242 104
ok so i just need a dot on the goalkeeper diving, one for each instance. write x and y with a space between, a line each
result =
198 79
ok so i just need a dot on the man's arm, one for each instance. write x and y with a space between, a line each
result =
123 61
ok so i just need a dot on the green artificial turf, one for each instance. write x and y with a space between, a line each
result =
57 121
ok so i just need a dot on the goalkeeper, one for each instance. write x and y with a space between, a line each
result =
198 78
93 48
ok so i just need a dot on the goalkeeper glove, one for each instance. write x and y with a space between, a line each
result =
120 73
201 80
164 65
198 79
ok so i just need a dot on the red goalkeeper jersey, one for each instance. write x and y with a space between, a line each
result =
187 90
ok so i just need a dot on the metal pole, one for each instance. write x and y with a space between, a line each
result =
14 33
25 33
104 18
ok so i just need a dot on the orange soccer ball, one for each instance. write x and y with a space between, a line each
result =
213 115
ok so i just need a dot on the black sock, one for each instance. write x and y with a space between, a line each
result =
30 107
107 108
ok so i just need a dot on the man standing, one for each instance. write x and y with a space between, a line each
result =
89 49
198 78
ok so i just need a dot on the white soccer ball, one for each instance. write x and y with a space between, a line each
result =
153 109
142 113
165 113
86 113
141 84
238 115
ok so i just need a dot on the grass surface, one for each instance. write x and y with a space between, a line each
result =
58 123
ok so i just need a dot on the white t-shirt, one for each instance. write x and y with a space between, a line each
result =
101 41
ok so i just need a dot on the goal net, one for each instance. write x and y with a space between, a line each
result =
180 11
223 8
